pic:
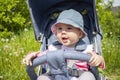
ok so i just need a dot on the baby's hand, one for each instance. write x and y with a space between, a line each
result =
28 58
96 59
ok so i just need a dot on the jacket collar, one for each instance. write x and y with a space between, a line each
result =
80 46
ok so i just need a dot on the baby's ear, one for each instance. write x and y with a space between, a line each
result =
81 34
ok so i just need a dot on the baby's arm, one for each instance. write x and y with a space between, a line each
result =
30 56
95 60
30 68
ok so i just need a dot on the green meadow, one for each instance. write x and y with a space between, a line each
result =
12 52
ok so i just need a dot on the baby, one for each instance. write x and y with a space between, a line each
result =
71 55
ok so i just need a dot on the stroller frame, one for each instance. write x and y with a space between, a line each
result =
44 15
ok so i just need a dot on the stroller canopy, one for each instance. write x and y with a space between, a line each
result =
41 12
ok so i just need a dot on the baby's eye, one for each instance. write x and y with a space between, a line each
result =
59 28
69 28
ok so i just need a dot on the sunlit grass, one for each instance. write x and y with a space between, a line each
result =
111 53
11 53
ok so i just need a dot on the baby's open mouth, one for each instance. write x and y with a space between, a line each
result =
64 39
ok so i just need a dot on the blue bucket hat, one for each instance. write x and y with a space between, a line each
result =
71 17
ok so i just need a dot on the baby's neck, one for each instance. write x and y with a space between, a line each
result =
67 48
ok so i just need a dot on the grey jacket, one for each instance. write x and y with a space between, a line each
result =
57 61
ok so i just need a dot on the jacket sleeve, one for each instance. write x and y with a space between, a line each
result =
30 69
39 60
76 55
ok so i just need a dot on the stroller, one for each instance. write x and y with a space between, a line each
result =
45 12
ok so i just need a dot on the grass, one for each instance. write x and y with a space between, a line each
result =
12 52
111 53
14 49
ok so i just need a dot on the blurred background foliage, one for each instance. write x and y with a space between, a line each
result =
14 16
16 37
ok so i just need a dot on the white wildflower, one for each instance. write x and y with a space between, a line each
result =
110 32
7 47
16 54
12 39
3 40
22 50
113 46
7 40
6 59
1 77
103 48
10 54
108 51
25 29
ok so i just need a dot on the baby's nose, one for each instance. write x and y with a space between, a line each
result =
64 31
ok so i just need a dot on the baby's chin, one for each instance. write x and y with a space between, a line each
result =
68 45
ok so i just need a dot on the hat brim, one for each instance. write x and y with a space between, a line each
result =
69 22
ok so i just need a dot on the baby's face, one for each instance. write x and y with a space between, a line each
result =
68 35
